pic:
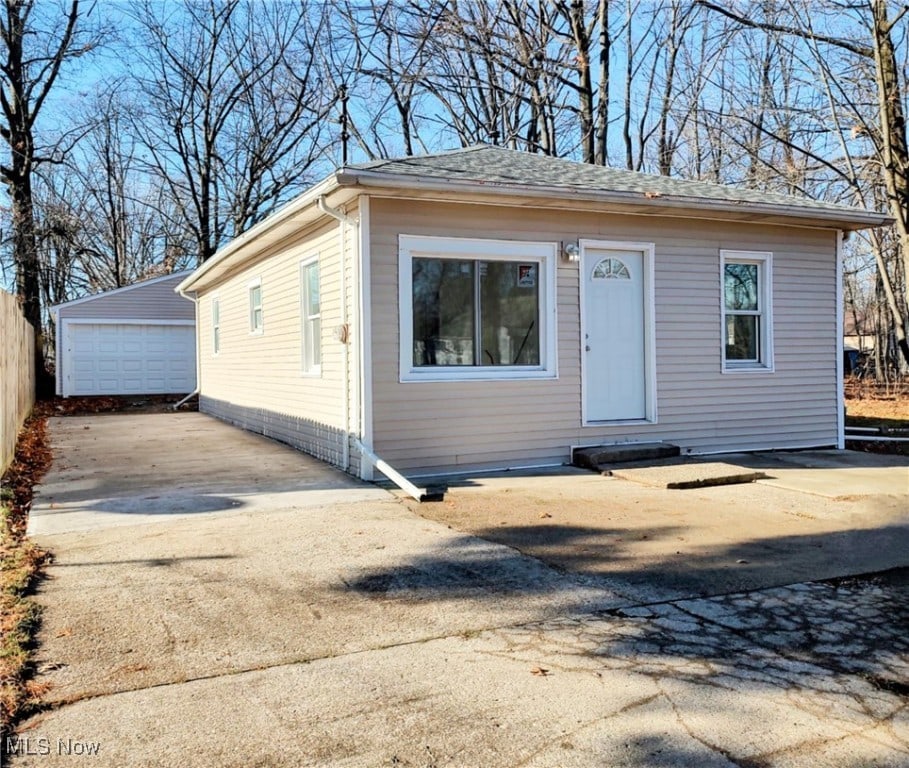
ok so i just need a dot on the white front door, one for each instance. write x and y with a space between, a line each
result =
614 333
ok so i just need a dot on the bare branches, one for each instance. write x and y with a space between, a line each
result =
30 68
234 109
861 50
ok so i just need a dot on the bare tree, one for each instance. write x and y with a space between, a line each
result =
872 44
231 108
35 49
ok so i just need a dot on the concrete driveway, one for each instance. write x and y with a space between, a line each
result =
124 469
322 622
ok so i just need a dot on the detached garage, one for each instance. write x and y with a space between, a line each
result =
140 339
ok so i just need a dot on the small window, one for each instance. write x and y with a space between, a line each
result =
747 317
215 326
476 309
611 269
255 307
311 309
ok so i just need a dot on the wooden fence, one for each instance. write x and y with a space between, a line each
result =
17 375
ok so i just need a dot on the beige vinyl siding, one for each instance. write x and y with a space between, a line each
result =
256 380
153 300
429 426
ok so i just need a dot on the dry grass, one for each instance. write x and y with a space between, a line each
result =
883 409
889 413
20 566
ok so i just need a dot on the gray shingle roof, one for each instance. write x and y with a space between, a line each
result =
485 164
493 171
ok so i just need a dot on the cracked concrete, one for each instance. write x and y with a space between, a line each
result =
357 633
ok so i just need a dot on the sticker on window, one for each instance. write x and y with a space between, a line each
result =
527 275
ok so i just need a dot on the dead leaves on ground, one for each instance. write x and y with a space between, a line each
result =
84 406
32 460
20 564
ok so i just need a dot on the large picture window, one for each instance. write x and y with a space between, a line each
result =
747 318
476 308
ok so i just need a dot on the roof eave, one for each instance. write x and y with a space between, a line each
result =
350 179
272 222
121 289
835 219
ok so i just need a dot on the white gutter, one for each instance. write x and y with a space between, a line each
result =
366 178
350 177
278 217
195 300
343 221
840 393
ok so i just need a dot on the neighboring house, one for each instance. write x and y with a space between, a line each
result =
140 339
500 308
858 332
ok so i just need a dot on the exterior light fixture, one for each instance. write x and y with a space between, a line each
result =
571 252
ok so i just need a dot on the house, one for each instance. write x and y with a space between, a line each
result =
858 331
139 339
486 308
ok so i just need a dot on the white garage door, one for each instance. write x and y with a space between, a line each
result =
101 359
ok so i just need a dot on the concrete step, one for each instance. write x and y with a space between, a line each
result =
689 475
601 456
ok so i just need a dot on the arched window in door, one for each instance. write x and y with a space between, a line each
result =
611 269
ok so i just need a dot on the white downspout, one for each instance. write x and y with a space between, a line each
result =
366 452
840 394
195 300
58 356
343 219
420 494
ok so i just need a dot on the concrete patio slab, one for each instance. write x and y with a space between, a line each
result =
833 474
698 541
687 475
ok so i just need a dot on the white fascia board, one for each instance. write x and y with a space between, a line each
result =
701 206
124 289
244 245
123 321
352 181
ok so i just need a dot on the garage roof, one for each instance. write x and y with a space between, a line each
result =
105 294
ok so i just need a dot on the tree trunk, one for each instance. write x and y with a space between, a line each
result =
602 125
895 157
21 98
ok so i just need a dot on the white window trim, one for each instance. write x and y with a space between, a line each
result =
764 260
215 345
477 249
256 283
316 370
